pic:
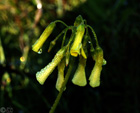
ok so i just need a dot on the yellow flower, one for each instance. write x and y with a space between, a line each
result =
95 74
75 50
60 78
42 75
38 44
80 76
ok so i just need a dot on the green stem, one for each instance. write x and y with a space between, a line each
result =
60 34
53 42
95 36
89 38
72 36
63 87
62 22
64 37
91 45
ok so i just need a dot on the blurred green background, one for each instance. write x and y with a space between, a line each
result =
117 25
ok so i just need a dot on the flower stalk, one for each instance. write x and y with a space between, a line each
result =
77 44
63 86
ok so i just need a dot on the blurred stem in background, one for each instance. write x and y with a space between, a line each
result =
2 56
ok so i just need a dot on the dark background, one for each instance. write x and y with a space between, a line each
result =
117 25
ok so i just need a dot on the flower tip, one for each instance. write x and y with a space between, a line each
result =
75 54
35 50
48 50
39 79
94 84
83 53
79 82
59 88
104 62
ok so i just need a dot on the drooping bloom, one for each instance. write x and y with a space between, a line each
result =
42 75
95 74
60 78
80 75
77 44
38 44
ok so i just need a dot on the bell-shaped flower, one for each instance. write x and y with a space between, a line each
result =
60 78
42 75
38 44
95 74
80 75
77 44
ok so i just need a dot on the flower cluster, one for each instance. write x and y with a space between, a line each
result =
77 46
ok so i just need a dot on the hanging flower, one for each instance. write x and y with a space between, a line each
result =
65 57
42 75
38 44
77 44
80 75
95 74
60 78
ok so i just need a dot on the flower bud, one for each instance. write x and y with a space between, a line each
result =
42 75
60 78
38 44
83 53
80 76
52 44
95 74
76 46
78 20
